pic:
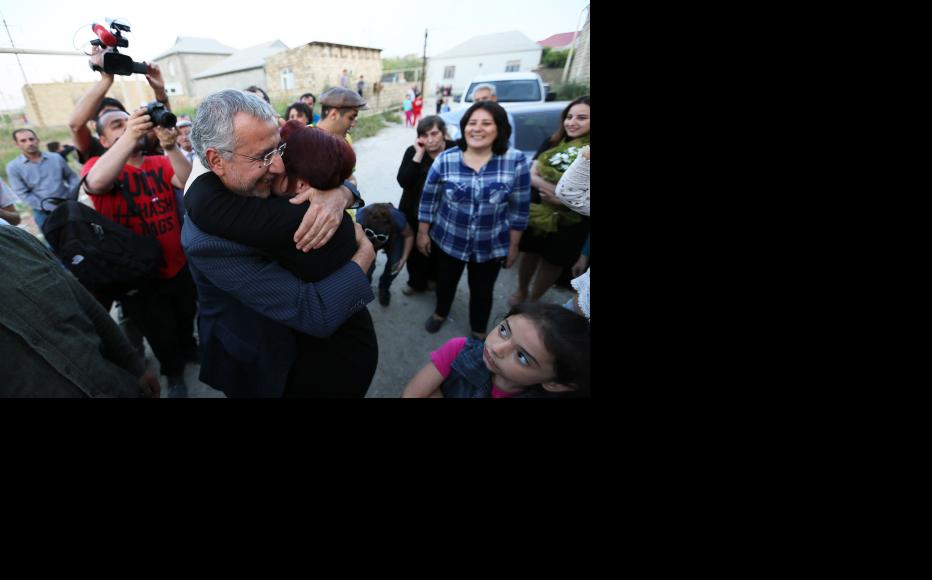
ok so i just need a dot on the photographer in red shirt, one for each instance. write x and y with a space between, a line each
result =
165 309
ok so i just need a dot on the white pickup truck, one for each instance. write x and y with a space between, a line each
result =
510 88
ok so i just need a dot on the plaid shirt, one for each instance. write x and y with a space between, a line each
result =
472 212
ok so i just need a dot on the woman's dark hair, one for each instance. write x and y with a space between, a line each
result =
428 123
316 156
560 135
500 145
260 92
566 336
301 108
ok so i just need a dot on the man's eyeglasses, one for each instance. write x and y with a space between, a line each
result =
381 238
269 157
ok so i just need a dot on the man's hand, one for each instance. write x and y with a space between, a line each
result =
397 269
167 137
149 385
154 76
321 219
97 58
365 253
137 126
423 243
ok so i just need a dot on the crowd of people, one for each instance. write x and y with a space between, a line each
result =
268 246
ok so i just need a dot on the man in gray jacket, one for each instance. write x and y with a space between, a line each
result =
38 175
58 341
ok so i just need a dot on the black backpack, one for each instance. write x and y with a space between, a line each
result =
101 253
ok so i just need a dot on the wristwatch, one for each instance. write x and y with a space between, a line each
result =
359 201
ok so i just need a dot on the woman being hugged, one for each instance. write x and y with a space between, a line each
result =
556 234
473 211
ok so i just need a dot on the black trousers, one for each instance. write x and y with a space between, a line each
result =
164 311
482 278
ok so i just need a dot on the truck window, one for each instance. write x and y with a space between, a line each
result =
533 128
510 91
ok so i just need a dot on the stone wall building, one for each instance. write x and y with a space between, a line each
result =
579 68
316 66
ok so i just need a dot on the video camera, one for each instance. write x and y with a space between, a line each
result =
115 63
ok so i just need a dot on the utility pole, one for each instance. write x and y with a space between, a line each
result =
424 65
29 92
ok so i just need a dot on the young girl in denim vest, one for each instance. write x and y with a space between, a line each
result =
538 350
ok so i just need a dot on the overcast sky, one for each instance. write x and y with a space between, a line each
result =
397 27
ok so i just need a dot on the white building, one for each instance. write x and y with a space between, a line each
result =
242 69
489 54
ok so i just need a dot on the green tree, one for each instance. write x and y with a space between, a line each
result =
554 58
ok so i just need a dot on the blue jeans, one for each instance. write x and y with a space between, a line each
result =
40 217
394 251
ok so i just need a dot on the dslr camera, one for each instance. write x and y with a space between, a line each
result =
161 116
115 63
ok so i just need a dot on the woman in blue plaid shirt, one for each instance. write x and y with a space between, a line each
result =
473 211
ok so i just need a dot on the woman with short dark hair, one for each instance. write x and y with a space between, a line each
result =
473 211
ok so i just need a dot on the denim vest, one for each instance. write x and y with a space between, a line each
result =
470 379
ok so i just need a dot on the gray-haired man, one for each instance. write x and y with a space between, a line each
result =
249 304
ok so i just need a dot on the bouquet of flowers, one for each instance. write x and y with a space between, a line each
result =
552 163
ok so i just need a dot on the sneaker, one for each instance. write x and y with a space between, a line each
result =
407 290
177 388
433 325
384 296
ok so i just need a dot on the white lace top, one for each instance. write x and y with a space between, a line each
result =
581 285
573 188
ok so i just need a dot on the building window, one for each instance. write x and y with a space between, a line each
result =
449 72
513 66
287 79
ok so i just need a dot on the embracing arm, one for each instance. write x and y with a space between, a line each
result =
323 216
317 309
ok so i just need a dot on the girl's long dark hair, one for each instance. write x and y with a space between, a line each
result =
560 135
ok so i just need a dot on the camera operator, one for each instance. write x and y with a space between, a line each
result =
95 102
164 310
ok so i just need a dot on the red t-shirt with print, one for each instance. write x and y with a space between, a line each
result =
150 188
